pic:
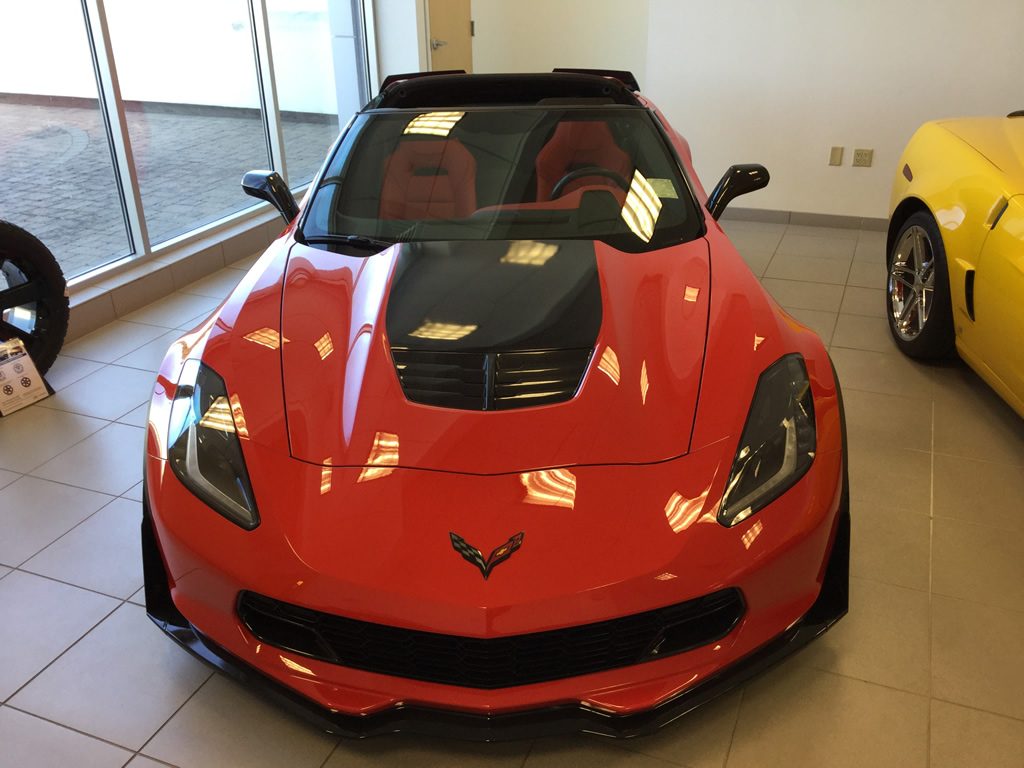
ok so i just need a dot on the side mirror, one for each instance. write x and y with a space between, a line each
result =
269 186
738 180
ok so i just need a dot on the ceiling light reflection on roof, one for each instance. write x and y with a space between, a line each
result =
750 536
641 208
383 457
529 253
218 416
609 365
434 123
442 331
691 293
551 487
682 512
266 337
324 346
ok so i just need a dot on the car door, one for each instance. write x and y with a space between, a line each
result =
999 298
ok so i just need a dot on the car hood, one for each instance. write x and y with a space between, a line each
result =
642 316
999 139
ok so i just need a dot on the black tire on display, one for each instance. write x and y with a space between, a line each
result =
33 300
917 300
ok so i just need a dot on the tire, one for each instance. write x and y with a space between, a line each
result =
917 300
42 322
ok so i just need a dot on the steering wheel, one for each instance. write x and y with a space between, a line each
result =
590 170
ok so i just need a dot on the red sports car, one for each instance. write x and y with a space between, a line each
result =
500 437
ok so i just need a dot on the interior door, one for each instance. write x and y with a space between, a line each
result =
450 34
999 298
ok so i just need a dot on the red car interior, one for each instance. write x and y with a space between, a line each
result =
429 179
576 145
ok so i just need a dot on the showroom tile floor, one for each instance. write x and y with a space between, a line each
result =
925 670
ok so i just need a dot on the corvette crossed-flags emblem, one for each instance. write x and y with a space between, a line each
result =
476 557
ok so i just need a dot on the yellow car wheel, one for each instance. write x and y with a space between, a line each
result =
917 290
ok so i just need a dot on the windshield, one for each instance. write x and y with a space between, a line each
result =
504 174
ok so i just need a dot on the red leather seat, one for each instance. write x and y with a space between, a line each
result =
429 179
578 144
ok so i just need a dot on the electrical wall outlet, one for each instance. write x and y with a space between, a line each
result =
835 156
862 158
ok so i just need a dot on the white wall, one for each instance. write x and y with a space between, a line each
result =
780 82
539 35
401 40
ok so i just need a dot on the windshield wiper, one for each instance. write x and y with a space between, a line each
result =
354 241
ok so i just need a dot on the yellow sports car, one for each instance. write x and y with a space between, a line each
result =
956 248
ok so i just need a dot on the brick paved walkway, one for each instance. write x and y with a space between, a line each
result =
58 180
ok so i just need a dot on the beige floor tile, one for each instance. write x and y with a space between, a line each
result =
139 598
224 725
141 761
4 570
877 419
41 618
701 739
870 247
68 370
109 393
6 478
245 264
104 553
109 461
135 492
798 716
832 233
858 332
971 420
138 417
34 513
149 356
968 737
890 479
192 323
111 341
755 241
218 285
883 639
758 261
889 373
169 312
35 435
808 269
29 742
867 274
799 294
424 752
889 545
587 752
975 656
818 247
869 302
120 682
979 492
978 563
822 323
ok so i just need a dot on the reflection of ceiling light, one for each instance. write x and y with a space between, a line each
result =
691 293
749 537
442 331
529 253
552 487
324 346
665 576
218 416
645 383
434 123
325 476
682 512
383 457
239 418
641 208
295 666
266 337
757 341
609 365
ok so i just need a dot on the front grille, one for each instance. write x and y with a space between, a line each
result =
477 381
492 663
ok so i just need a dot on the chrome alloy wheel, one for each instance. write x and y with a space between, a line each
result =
19 310
911 283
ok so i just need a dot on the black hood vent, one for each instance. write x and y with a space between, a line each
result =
493 325
492 381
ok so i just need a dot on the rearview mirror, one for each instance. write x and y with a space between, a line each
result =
738 180
269 186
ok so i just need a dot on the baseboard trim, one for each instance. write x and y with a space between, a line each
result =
768 216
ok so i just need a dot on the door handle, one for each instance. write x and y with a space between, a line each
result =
435 43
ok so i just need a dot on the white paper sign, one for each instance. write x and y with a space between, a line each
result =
20 382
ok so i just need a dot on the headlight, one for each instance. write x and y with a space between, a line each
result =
204 450
778 442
